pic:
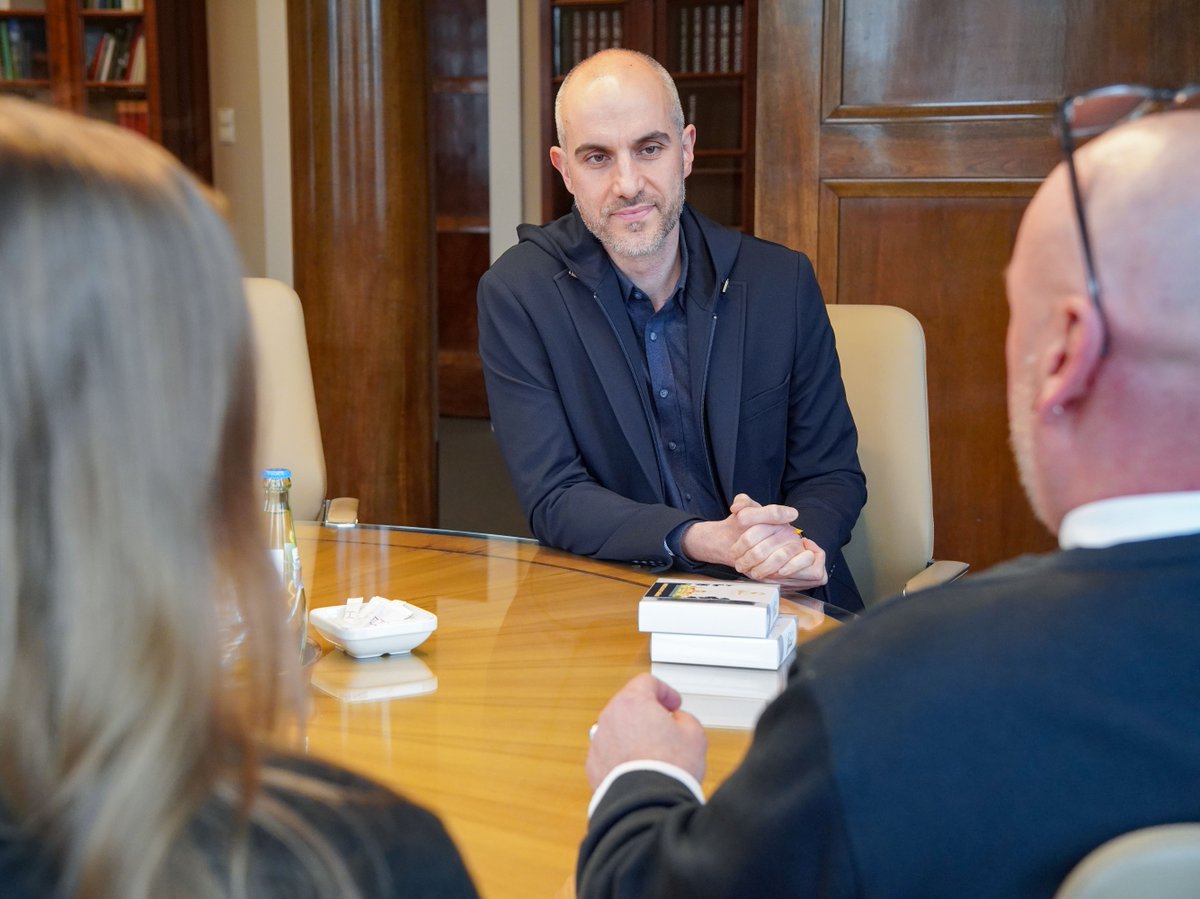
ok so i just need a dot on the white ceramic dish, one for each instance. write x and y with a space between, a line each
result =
373 640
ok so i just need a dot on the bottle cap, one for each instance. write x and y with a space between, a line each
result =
277 474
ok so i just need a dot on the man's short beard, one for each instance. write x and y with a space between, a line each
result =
636 245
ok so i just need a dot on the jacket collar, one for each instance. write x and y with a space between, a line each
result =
712 251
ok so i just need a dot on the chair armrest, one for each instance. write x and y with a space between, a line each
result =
940 572
340 512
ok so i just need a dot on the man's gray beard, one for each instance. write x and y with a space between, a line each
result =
1021 443
630 248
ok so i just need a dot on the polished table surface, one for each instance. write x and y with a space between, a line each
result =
486 723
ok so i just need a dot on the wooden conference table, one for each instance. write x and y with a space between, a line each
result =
486 723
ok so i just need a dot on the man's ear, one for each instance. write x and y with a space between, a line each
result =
558 159
688 141
1073 358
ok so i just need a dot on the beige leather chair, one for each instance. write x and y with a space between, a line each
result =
882 353
289 435
1153 863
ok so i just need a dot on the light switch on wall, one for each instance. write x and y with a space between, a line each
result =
225 128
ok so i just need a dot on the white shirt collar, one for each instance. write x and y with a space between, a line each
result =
1127 519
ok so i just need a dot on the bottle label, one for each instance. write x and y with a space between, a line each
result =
278 556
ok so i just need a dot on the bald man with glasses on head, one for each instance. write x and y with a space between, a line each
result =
979 739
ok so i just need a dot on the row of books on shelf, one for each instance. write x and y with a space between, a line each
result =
578 33
711 38
23 50
116 54
40 5
134 115
128 5
722 644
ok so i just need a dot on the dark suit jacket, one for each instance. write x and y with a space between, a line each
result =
569 400
975 740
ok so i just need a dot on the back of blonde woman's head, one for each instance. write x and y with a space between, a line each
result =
126 504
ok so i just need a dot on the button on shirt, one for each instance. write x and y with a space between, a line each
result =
682 452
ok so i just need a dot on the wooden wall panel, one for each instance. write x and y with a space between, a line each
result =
909 244
900 52
898 142
1131 41
363 237
788 140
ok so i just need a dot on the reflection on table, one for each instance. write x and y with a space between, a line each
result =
486 722
348 679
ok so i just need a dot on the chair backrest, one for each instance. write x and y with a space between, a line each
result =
882 354
289 435
1155 863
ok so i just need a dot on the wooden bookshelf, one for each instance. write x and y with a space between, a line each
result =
709 49
458 121
25 38
141 64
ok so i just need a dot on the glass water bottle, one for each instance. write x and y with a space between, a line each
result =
281 541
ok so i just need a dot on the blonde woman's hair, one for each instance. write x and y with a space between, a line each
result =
128 521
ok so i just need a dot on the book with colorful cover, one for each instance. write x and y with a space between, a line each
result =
720 608
6 62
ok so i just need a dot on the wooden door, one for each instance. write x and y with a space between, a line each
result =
899 143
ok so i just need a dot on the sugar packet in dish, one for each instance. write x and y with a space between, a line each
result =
376 627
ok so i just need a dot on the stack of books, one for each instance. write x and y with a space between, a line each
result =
723 697
722 644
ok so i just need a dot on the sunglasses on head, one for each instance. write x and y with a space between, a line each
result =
1083 116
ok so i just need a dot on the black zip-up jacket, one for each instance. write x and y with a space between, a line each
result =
570 408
